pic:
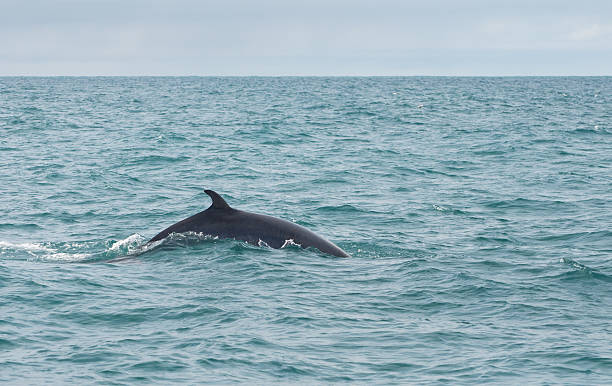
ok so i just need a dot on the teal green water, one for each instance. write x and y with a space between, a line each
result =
478 213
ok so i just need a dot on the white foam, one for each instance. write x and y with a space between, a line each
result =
128 241
290 243
44 252
63 256
28 247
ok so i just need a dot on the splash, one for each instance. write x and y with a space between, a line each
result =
77 251
68 252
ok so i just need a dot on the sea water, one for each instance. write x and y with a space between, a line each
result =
477 213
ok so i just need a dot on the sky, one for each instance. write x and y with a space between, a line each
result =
314 37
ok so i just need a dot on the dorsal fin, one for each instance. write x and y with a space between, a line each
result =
217 201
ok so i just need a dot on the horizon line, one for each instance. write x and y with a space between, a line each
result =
303 76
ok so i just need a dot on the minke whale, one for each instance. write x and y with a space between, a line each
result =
222 221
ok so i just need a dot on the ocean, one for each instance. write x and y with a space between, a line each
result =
477 212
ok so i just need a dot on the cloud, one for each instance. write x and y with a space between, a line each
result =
591 32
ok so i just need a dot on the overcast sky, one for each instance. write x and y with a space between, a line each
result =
313 37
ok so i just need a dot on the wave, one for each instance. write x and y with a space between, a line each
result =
581 271
527 203
596 129
587 236
348 208
153 159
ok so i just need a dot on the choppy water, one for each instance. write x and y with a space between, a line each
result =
477 212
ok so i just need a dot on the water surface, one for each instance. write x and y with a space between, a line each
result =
477 212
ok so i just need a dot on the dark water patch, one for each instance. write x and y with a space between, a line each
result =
20 226
130 318
186 312
346 208
151 160
159 366
583 237
595 131
525 204
330 180
407 170
6 344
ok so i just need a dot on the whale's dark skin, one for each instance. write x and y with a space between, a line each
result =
225 222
